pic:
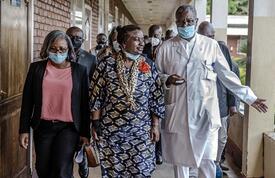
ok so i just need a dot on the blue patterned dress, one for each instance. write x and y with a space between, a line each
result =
125 146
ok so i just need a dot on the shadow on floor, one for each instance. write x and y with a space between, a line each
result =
167 171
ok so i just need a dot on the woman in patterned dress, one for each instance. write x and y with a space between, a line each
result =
126 104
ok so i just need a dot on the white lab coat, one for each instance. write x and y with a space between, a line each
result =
192 119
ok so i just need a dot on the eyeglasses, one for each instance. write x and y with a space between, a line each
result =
55 50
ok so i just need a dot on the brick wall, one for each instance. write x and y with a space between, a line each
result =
55 15
49 15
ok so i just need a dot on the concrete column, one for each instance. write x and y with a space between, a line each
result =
106 16
219 13
260 76
200 6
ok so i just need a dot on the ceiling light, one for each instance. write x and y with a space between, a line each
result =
149 2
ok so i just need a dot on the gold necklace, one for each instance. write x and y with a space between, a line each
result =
127 86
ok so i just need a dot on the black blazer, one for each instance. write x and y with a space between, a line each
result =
88 60
226 98
32 98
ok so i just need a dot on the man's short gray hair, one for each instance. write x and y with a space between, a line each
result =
185 8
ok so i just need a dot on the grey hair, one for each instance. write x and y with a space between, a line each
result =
185 8
50 38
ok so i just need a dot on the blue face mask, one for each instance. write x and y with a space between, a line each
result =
57 57
186 32
131 56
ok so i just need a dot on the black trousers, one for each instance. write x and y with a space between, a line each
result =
55 144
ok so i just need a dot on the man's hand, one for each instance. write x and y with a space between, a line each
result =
83 141
259 105
233 110
154 133
174 80
24 140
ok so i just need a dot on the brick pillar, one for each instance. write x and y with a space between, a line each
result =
49 15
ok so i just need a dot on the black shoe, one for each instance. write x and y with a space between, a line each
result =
224 168
159 159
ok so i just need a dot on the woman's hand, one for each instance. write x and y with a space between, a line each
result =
154 133
94 135
84 140
24 140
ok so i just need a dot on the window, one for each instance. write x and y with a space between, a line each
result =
101 17
116 16
77 9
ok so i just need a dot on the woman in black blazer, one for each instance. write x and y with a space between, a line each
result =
55 105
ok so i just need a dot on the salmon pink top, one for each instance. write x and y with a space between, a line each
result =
56 94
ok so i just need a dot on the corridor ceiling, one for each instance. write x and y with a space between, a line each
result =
152 11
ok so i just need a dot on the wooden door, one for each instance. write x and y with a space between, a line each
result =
14 59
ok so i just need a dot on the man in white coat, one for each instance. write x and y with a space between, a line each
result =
189 65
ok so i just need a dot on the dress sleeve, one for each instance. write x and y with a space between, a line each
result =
97 87
27 101
156 98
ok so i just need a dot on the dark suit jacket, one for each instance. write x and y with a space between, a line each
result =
32 98
226 98
88 60
149 51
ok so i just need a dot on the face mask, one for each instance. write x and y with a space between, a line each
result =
58 58
99 46
102 42
116 46
76 43
155 41
186 32
131 56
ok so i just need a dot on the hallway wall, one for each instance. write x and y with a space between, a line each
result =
60 14
48 16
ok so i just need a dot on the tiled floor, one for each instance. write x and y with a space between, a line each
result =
166 171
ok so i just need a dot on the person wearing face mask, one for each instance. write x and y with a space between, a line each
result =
101 40
227 101
55 105
126 105
89 61
82 57
113 46
169 34
189 65
155 33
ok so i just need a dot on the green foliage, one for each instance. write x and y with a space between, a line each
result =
235 7
243 47
242 67
208 7
238 7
